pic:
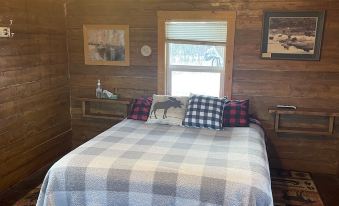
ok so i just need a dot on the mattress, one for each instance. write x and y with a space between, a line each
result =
135 163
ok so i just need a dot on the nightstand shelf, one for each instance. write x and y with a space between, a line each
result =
105 108
330 114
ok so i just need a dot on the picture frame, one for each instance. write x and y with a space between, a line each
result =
292 35
106 45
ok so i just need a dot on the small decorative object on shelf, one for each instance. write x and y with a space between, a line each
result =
108 95
300 128
286 106
98 91
105 108
104 94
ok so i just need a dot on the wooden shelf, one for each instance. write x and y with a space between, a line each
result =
118 115
304 112
103 116
302 131
118 101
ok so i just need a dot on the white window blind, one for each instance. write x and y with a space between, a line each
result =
197 31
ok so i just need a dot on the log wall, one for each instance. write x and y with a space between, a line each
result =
34 88
264 82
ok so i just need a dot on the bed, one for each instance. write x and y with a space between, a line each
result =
135 163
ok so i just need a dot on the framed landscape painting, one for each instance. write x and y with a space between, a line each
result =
292 35
106 44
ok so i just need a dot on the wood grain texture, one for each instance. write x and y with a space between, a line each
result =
265 82
34 88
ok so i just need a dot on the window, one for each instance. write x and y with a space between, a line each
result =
192 54
195 57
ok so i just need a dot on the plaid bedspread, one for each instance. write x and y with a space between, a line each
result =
134 163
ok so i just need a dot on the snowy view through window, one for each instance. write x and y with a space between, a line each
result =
195 69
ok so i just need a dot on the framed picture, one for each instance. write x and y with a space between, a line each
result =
106 44
292 35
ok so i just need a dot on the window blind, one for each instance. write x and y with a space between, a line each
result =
197 31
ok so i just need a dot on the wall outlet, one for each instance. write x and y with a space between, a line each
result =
5 32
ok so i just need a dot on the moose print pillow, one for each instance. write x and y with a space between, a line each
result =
168 110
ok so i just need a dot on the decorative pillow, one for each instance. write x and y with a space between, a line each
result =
205 111
141 108
236 113
167 110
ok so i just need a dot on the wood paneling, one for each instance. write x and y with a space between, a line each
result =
34 88
264 82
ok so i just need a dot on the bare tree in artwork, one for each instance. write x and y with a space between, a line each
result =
106 45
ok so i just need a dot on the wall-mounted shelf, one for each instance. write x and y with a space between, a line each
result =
105 108
330 114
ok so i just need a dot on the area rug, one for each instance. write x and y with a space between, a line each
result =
294 188
290 188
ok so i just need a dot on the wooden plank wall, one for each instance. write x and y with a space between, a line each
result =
264 82
34 88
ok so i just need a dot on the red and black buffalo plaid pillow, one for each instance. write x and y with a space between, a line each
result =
141 108
236 113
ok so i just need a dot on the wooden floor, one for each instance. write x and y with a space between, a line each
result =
21 189
328 187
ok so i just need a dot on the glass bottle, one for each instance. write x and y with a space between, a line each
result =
98 91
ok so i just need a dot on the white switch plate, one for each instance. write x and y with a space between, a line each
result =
5 32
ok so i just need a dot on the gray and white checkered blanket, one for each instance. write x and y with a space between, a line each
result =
134 163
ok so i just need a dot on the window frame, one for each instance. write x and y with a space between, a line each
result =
163 86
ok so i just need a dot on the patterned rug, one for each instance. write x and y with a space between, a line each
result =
290 188
294 188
